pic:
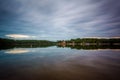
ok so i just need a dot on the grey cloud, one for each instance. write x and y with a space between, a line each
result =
62 18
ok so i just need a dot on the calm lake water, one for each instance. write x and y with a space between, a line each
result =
54 63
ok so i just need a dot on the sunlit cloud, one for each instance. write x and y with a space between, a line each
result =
18 36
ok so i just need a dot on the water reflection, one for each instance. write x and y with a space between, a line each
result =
78 47
91 47
56 63
17 51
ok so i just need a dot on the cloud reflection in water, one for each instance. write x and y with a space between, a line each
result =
17 51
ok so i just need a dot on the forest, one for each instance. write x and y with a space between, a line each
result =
90 41
24 42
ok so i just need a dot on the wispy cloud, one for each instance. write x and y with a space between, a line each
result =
19 36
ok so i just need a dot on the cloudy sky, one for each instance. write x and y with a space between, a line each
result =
59 19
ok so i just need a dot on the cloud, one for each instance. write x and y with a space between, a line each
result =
60 19
18 36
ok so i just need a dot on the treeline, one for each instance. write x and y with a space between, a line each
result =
90 41
4 42
78 41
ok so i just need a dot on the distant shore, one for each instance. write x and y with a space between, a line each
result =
86 43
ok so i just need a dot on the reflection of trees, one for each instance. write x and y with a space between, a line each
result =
24 46
91 46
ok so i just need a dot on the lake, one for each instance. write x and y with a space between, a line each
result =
57 63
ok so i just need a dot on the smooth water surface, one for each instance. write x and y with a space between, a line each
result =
53 63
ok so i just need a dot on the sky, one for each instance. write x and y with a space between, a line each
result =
59 19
